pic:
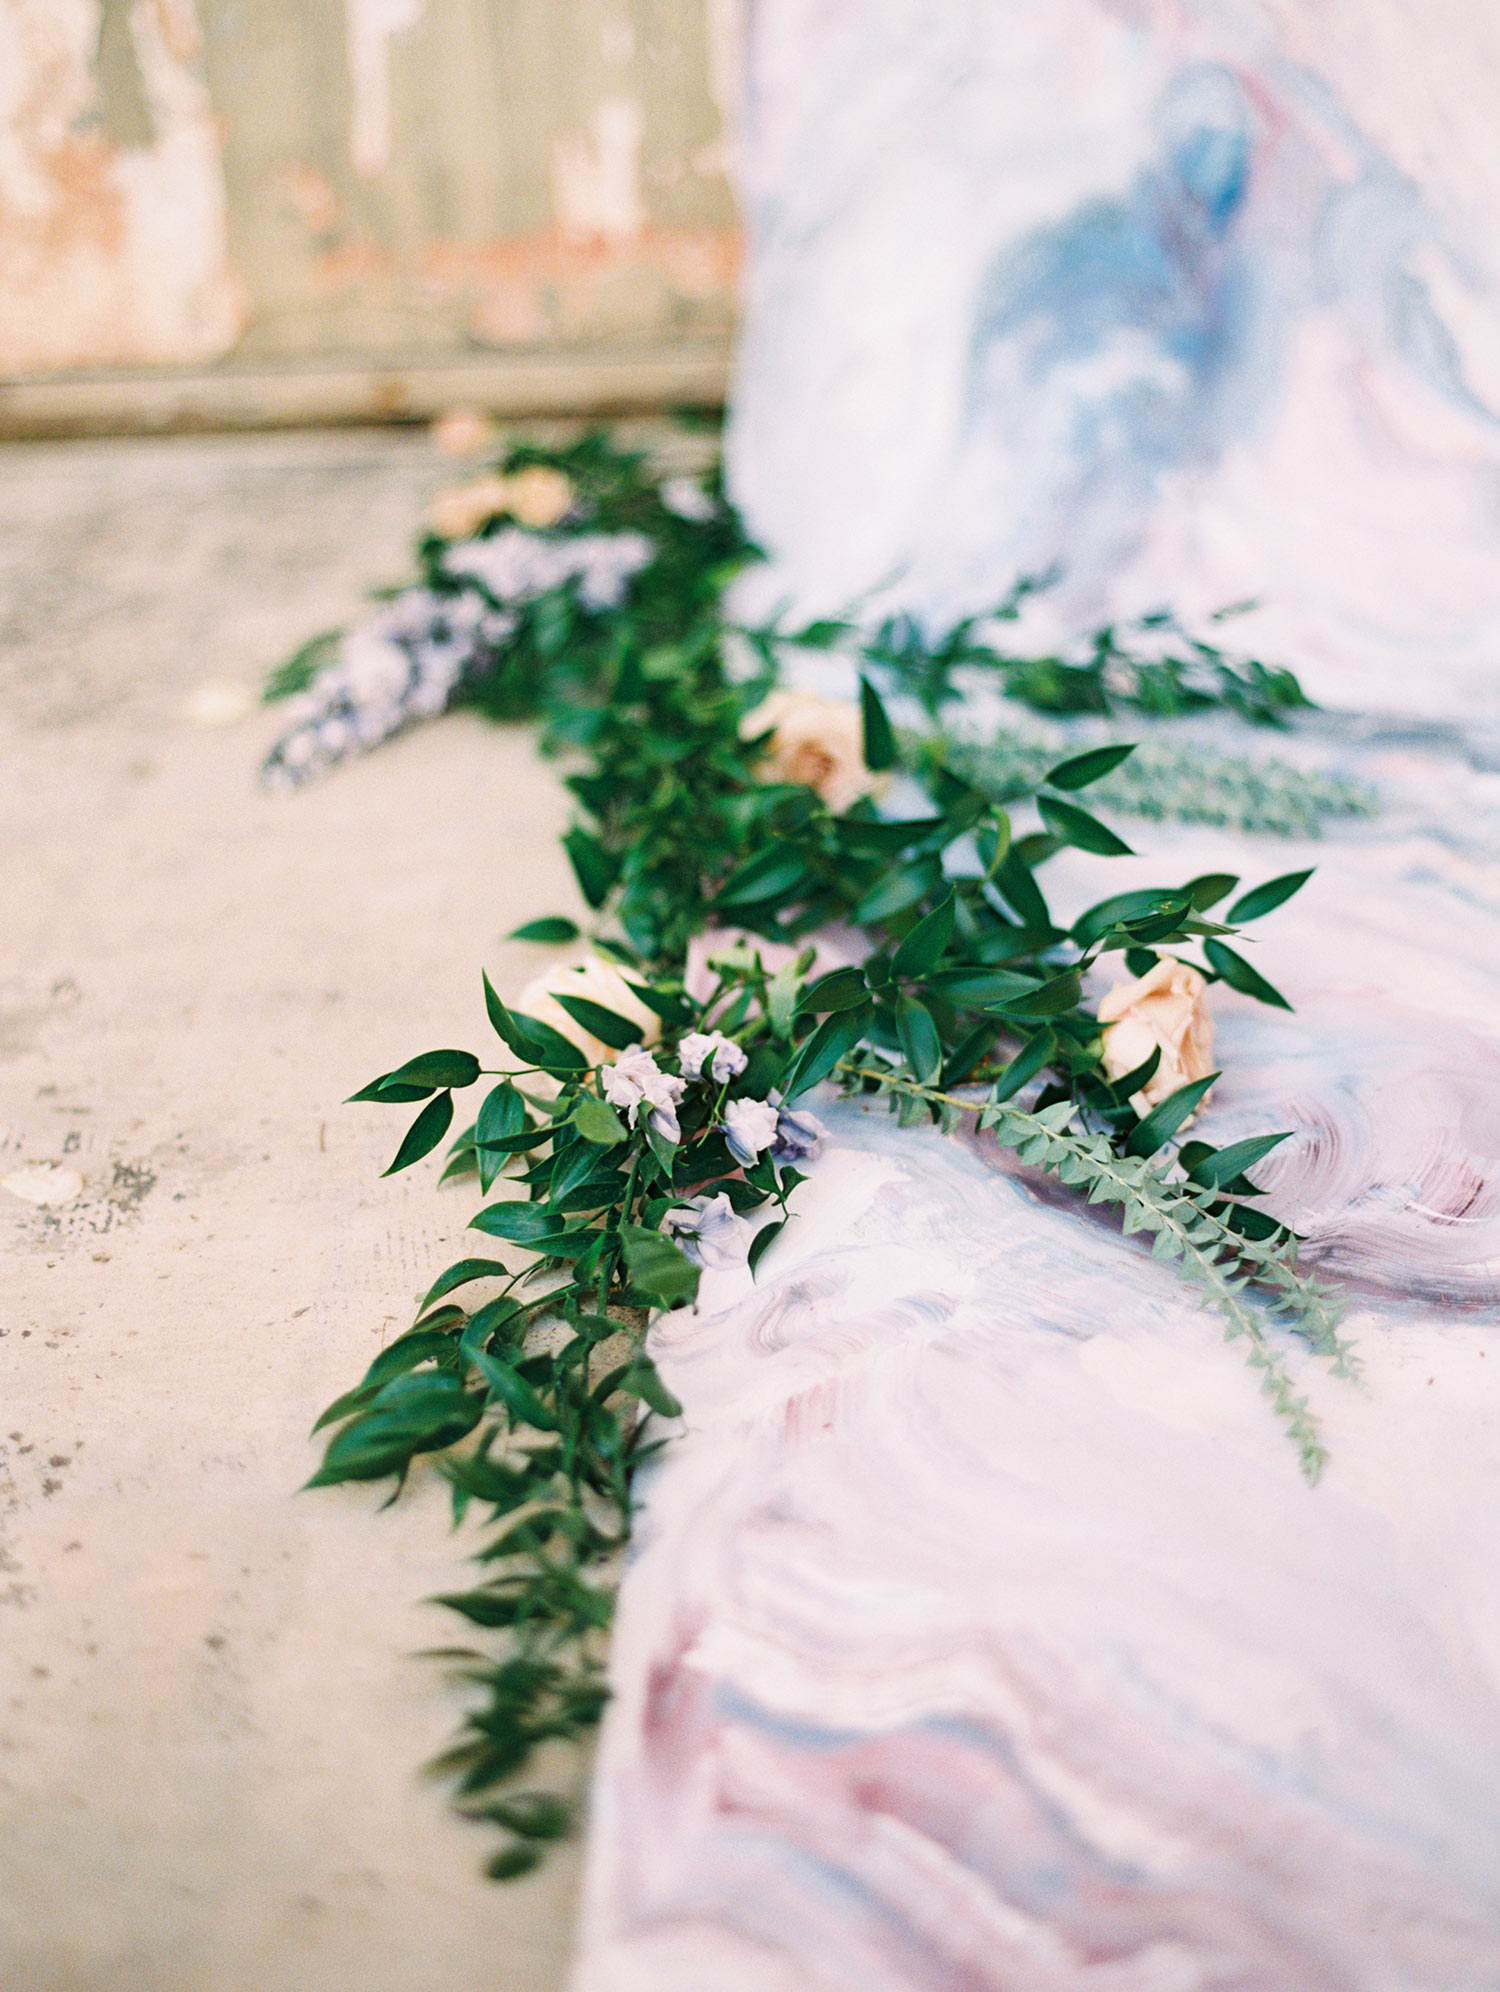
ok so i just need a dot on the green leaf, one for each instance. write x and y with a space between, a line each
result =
549 1048
879 735
387 1092
834 1037
437 1068
1027 1063
1237 972
607 1025
425 1132
1075 826
1141 1075
595 868
408 1351
994 843
523 1223
658 1267
568 1244
902 886
514 1392
554 930
976 987
962 1058
923 947
1220 1166
840 989
511 1862
920 1042
762 1242
1209 889
1047 999
460 1275
534 1815
1263 899
502 1115
574 1167
1083 769
486 1322
643 1380
1021 892
597 1121
768 875
667 1004
425 1412
1119 911
505 1026
515 1144
1167 1116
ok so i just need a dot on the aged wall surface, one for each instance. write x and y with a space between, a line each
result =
363 206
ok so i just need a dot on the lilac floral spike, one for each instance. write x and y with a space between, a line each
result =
411 658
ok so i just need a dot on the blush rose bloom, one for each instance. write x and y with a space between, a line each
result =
597 981
817 742
1168 1007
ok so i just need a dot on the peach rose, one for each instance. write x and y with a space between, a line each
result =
535 497
460 511
1167 1007
539 496
817 742
463 432
597 981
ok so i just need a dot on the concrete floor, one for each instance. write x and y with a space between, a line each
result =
210 1722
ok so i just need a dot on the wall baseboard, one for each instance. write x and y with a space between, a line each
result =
357 391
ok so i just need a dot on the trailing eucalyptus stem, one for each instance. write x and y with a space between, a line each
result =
1185 1225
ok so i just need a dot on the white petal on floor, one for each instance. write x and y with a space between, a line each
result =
44 1183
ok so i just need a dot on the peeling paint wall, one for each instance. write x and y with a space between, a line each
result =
281 181
113 231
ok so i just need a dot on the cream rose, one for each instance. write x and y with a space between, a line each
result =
1167 1007
817 742
596 981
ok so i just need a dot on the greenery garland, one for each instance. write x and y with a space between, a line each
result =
622 1144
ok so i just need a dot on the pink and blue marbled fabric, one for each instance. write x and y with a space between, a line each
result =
980 1634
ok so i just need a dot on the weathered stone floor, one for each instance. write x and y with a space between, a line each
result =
209 1720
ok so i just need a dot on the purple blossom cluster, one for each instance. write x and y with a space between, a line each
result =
409 659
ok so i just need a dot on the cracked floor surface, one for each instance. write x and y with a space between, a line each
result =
210 1722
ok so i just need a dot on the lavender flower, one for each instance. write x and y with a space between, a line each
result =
517 566
408 660
749 1127
710 1233
799 1136
729 1060
635 1080
687 498
401 664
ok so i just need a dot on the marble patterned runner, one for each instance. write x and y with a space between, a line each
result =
981 1635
